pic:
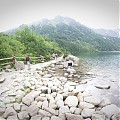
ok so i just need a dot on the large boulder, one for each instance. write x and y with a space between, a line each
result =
64 109
19 65
71 101
110 110
92 99
83 105
9 112
98 115
23 115
44 113
70 116
73 58
116 116
29 98
87 112
33 110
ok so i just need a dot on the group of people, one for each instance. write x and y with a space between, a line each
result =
27 59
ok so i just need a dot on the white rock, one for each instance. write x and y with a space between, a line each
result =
79 88
50 84
71 70
55 118
45 104
40 98
34 103
9 112
60 103
2 110
72 109
17 106
59 97
116 116
39 104
62 116
54 94
33 110
105 102
83 105
87 112
14 117
47 76
69 101
66 74
36 117
77 111
109 110
64 109
52 105
59 66
92 99
29 98
44 113
45 118
50 110
2 118
23 115
9 105
52 101
27 84
98 115
71 83
63 79
19 65
80 97
49 97
73 117
24 107
70 88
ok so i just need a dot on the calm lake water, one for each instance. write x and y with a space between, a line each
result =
105 68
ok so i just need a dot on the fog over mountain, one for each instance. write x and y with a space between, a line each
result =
74 36
108 32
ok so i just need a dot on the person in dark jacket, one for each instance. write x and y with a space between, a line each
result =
28 61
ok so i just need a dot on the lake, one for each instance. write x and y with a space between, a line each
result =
105 68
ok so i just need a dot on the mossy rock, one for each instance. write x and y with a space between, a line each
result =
18 100
27 90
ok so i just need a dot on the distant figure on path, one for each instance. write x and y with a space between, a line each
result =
54 56
28 61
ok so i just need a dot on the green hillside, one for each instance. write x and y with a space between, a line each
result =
75 37
72 36
25 41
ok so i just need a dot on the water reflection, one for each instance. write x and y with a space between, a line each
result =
105 65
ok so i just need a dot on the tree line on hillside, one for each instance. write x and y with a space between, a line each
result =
26 41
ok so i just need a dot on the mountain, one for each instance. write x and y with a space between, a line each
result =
107 32
74 36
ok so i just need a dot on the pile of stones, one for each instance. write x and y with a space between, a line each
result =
42 95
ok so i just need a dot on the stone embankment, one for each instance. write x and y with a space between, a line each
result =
42 94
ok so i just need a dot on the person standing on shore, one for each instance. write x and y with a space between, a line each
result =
28 61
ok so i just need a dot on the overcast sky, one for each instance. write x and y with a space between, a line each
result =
92 13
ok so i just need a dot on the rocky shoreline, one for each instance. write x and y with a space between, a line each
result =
42 94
